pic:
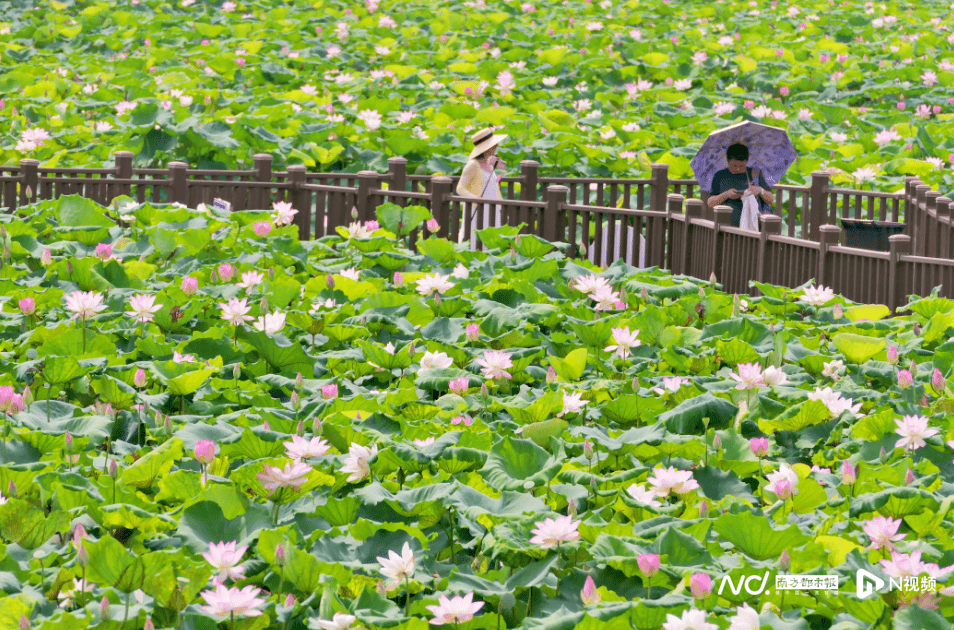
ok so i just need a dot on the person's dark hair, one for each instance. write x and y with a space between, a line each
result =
737 152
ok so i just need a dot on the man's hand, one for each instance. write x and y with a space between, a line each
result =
733 194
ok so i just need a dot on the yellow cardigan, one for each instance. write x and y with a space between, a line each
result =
471 183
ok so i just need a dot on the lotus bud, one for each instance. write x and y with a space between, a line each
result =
473 332
700 585
893 355
79 535
205 452
437 298
69 268
27 306
264 305
635 383
109 410
104 609
913 367
46 259
316 427
113 469
712 279
300 429
149 625
589 594
289 600
917 330
644 295
704 509
382 591
717 442
139 380
909 477
329 391
784 562
271 273
848 473
551 375
483 389
82 556
411 349
648 564
236 371
433 225
265 426
883 454
213 277
68 442
299 381
330 282
571 509
295 401
905 379
280 554
587 449
759 446
398 280
938 381
168 425
513 254
29 191
593 485
24 623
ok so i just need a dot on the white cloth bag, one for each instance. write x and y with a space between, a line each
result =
750 212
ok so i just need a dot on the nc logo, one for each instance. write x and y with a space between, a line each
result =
864 582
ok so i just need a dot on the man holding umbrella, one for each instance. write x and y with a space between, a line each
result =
730 185
738 166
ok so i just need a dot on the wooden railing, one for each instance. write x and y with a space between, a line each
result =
653 222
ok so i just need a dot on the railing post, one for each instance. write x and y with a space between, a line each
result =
440 204
693 211
397 177
898 245
367 180
529 170
771 225
178 183
29 181
674 207
659 189
124 170
828 236
723 218
262 165
930 218
300 200
920 201
819 202
556 199
943 227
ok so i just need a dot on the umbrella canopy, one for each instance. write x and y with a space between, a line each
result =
769 150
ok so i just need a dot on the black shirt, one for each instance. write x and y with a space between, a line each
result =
724 181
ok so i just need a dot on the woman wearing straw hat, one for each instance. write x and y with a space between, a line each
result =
477 180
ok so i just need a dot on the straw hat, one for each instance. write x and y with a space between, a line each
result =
483 140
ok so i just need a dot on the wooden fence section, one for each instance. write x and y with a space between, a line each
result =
651 222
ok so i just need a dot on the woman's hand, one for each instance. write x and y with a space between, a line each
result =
500 164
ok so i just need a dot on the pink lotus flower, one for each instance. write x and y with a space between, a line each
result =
572 403
329 391
459 385
467 421
104 251
456 610
205 452
913 430
883 532
398 280
263 229
236 311
398 568
27 306
46 258
605 298
143 308
225 602
624 340
552 532
643 496
299 448
749 376
648 564
357 463
434 283
251 279
433 225
759 446
834 401
139 379
225 558
292 476
284 213
589 284
700 585
848 473
783 483
666 480
495 364
938 382
190 285
84 305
